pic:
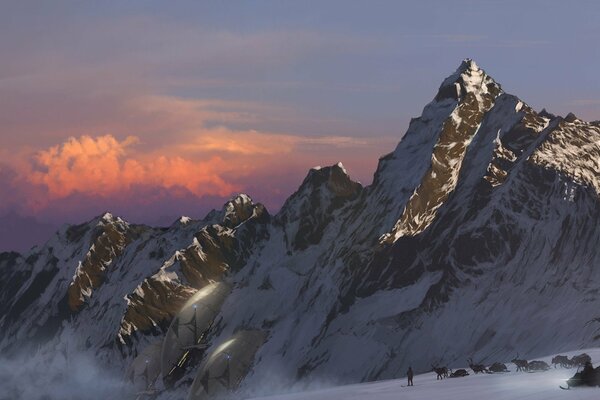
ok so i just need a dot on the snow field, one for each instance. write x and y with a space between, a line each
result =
502 386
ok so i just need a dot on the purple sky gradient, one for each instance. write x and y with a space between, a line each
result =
246 96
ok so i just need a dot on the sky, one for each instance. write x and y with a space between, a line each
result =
156 109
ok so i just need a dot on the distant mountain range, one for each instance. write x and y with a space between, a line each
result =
478 238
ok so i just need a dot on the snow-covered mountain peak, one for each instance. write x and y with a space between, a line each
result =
324 182
340 165
335 177
434 148
468 78
107 217
469 63
184 220
571 117
239 209
110 218
340 183
310 209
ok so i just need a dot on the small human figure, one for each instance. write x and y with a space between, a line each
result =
409 375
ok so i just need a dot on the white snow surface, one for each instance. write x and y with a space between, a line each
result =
574 149
500 386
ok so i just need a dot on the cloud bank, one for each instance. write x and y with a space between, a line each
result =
102 167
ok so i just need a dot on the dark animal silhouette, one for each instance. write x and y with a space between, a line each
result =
477 368
497 367
586 377
563 361
581 360
522 365
538 366
459 373
442 372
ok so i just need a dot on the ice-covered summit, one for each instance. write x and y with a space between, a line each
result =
237 210
468 78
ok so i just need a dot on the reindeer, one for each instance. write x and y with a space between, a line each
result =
563 361
442 372
498 367
580 360
459 373
522 365
477 368
538 366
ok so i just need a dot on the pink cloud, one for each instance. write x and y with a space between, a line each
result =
101 166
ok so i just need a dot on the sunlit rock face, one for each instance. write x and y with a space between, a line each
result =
110 239
479 236
476 93
214 250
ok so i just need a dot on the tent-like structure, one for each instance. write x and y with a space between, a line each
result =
145 368
227 365
185 337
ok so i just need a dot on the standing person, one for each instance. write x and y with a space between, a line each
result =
409 375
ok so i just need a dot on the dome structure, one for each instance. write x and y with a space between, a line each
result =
185 337
145 368
227 365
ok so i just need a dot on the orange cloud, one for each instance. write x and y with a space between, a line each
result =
250 142
247 143
102 166
200 178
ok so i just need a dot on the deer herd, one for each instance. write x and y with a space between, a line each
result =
522 365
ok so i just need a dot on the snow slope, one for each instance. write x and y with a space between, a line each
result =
501 386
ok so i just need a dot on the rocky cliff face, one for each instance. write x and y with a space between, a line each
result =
478 238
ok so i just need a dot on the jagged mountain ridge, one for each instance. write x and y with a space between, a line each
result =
478 237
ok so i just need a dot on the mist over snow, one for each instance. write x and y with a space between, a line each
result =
273 381
52 375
